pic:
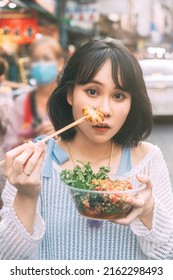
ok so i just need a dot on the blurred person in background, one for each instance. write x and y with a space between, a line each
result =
6 104
4 89
11 56
8 79
29 116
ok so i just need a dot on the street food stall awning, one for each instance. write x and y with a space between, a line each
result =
46 7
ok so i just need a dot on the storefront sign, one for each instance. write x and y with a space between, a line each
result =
84 13
19 29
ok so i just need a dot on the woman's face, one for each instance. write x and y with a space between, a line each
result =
102 93
45 66
44 53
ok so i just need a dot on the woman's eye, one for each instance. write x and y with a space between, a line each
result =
92 92
119 96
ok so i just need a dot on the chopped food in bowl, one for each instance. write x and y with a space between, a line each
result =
100 195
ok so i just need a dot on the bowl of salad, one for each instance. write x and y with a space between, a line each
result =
100 195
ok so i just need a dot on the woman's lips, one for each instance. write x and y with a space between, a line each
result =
102 125
101 128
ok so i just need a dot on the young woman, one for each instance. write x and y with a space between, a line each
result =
6 105
39 219
29 116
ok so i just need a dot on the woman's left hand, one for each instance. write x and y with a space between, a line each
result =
143 205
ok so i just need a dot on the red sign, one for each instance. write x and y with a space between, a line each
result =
21 30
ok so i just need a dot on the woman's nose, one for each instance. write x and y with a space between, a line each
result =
106 108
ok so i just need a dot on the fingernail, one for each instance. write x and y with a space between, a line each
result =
24 145
30 145
41 144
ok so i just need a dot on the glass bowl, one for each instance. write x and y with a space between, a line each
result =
106 205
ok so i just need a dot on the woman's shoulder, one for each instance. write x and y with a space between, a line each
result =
143 151
145 147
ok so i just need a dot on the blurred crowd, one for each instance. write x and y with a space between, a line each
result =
24 116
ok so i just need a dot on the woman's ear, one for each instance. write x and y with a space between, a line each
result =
70 97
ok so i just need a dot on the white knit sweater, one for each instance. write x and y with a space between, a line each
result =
67 235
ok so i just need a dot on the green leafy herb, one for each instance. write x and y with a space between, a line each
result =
81 176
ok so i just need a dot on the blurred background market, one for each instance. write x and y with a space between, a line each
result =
144 26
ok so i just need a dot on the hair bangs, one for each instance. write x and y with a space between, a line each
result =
122 73
87 71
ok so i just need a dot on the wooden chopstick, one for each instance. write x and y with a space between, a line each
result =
63 129
56 133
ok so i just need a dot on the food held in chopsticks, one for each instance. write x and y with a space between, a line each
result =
93 115
97 196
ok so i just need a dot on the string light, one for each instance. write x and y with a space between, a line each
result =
12 5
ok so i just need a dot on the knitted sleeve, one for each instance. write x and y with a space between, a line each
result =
157 243
15 119
15 241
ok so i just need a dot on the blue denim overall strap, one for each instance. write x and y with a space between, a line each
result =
53 153
57 154
125 164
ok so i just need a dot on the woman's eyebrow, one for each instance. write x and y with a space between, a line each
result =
96 82
101 84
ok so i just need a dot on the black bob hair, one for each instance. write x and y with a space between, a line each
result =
126 74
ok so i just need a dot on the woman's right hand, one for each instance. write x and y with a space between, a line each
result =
23 167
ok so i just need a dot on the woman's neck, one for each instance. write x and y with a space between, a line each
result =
87 147
84 150
101 154
42 95
45 90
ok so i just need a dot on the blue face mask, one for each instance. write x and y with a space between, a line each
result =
44 72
